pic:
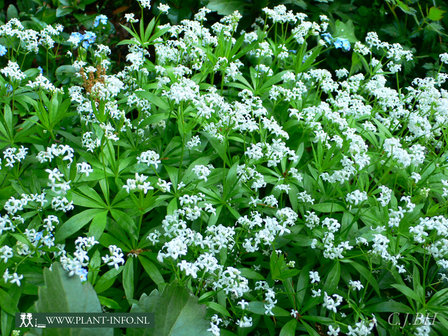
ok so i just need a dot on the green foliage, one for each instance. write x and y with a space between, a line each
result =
177 313
272 176
64 294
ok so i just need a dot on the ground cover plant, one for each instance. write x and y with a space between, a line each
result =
223 179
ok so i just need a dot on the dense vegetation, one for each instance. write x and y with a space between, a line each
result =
234 168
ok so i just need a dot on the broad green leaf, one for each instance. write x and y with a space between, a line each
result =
12 12
435 14
289 329
177 313
440 298
76 223
345 30
6 303
225 7
64 294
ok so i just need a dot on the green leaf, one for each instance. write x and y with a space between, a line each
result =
128 278
218 308
405 8
63 11
366 274
289 329
409 293
345 30
225 7
250 274
310 329
76 223
107 280
328 207
154 99
109 303
333 277
151 270
177 313
439 299
435 14
125 221
6 303
12 13
388 307
98 225
88 197
64 294
300 3
279 269
6 323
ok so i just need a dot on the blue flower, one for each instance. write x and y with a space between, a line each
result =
88 39
82 273
100 19
38 236
40 69
9 87
328 38
76 38
3 50
342 43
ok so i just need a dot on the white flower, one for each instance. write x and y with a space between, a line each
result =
243 304
245 322
145 3
84 168
356 197
115 258
332 302
333 331
314 277
150 158
444 58
356 284
130 17
163 8
13 71
6 253
202 172
16 279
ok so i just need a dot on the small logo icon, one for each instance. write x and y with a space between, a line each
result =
26 320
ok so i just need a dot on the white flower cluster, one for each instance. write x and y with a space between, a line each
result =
150 158
13 155
56 182
115 258
13 72
139 183
53 151
77 264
